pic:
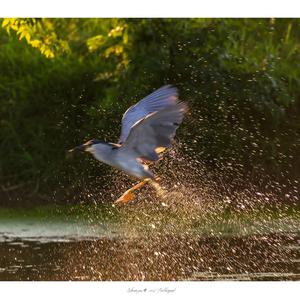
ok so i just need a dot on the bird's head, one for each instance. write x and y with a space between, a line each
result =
86 146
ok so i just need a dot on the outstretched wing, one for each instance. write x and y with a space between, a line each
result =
154 131
159 99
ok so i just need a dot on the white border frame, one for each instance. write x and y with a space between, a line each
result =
150 8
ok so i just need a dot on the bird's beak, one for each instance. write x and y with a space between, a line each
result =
79 148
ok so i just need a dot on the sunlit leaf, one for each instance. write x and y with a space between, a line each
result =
5 22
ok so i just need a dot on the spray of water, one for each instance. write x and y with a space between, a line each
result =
192 224
191 199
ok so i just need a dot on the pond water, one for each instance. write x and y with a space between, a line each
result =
116 244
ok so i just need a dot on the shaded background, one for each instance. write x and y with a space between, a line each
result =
64 81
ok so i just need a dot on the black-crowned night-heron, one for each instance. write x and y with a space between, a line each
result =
148 128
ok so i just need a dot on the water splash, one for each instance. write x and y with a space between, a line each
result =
192 225
159 190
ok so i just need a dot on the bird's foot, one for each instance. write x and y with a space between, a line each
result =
126 197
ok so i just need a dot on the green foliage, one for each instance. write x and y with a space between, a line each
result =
39 34
64 81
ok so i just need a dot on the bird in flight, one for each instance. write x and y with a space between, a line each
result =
148 128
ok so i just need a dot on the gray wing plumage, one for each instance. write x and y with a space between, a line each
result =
154 131
158 100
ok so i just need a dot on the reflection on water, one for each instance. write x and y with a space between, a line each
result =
37 250
52 231
170 258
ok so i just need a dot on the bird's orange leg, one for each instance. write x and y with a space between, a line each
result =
128 195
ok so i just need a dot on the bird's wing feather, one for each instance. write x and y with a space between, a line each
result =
154 131
159 99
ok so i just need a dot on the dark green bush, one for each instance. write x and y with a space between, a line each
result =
240 78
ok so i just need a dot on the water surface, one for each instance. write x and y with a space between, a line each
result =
130 244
